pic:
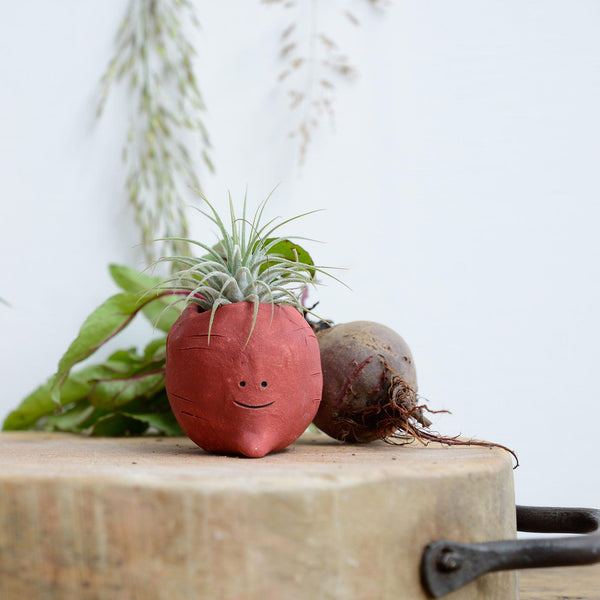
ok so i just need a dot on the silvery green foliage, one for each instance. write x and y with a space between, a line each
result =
245 266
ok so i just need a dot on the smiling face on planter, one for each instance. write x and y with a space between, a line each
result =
240 395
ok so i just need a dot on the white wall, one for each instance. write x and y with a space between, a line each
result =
460 188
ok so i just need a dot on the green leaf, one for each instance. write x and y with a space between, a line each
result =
116 425
75 419
122 361
130 280
39 403
33 407
112 393
129 362
103 324
156 349
155 411
157 312
290 251
165 422
110 384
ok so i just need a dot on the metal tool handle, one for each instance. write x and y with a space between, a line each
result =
447 566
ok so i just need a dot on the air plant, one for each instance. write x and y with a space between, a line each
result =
250 263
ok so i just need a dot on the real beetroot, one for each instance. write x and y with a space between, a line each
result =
369 383
370 388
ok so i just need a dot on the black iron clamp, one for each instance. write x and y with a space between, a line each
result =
447 566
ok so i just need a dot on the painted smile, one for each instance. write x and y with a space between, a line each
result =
253 406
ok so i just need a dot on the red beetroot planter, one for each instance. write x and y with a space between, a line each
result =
233 397
243 369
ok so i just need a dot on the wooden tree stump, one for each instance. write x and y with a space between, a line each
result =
154 518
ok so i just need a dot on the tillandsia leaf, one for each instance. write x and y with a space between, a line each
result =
234 229
244 207
266 290
218 302
324 270
270 232
258 215
214 253
256 301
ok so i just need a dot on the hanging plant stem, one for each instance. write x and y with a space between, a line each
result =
313 64
154 57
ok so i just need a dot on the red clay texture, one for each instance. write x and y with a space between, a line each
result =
237 395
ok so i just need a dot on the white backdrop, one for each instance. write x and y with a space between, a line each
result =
460 186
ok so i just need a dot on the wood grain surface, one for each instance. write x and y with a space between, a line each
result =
567 583
159 518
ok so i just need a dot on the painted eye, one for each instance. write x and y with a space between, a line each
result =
242 383
263 384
